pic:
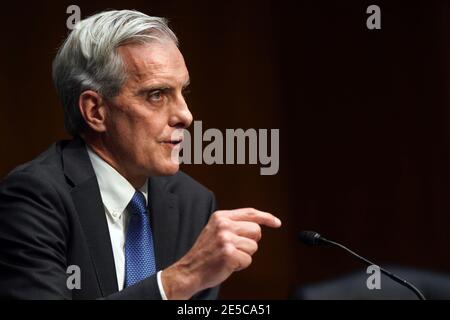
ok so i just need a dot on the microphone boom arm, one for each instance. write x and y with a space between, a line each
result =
368 262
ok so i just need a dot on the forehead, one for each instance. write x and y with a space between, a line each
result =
153 62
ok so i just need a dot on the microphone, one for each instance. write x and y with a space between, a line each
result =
313 238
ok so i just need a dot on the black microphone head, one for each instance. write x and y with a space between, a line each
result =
311 238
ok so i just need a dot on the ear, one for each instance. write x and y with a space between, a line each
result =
93 110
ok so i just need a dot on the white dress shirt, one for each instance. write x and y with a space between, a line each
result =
116 193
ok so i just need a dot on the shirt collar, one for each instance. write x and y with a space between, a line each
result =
115 190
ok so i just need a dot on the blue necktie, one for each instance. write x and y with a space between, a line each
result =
139 252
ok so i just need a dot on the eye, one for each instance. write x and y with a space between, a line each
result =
186 91
155 95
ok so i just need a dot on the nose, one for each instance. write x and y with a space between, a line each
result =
180 117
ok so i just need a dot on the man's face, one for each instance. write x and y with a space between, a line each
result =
150 110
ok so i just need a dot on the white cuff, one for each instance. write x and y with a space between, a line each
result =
160 286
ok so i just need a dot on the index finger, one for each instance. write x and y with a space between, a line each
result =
257 216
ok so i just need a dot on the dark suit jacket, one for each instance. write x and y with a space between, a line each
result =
52 216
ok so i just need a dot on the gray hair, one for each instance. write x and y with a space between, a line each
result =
88 59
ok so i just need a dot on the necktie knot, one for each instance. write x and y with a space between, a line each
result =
138 204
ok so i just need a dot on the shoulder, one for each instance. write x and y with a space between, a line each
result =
50 158
32 196
39 174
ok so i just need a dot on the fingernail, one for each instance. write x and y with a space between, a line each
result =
278 222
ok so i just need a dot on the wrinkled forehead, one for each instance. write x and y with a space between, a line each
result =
152 61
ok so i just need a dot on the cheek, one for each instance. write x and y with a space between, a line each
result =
120 123
148 135
153 126
139 130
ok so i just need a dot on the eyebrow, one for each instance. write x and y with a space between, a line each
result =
161 86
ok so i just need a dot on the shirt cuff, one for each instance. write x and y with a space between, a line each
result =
160 286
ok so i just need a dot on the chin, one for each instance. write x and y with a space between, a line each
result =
167 170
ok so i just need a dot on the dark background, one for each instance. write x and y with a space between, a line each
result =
363 118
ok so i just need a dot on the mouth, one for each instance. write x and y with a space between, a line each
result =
173 143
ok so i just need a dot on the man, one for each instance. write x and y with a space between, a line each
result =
111 203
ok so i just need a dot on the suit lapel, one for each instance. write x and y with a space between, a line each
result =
163 207
87 199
